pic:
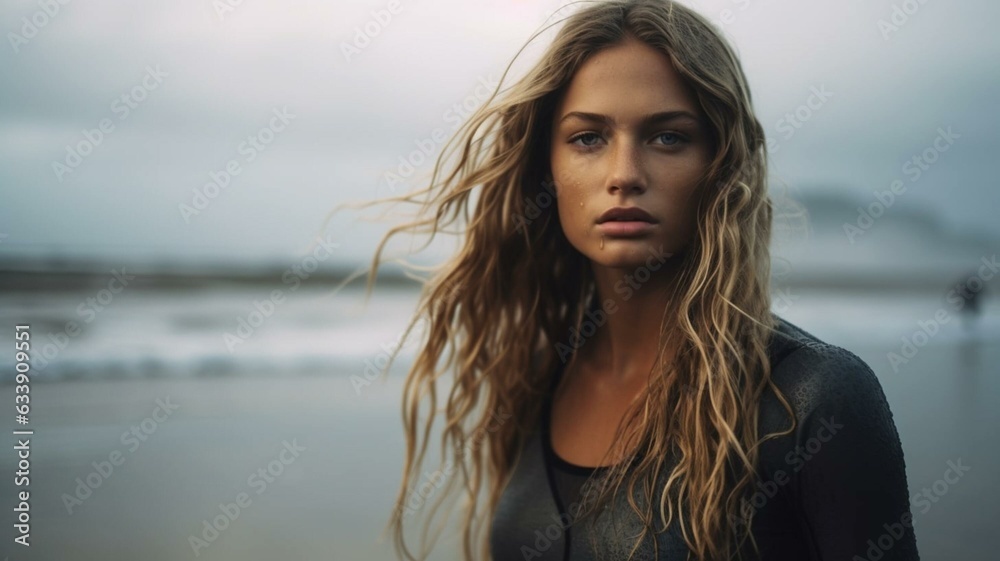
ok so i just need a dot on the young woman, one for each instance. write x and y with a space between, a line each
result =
621 389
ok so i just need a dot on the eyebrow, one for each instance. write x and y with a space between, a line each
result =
659 117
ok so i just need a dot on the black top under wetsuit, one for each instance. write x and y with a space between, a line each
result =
833 490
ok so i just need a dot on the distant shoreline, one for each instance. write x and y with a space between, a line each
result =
70 276
189 278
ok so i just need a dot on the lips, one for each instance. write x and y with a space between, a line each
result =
626 214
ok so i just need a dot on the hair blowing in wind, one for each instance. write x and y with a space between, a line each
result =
494 316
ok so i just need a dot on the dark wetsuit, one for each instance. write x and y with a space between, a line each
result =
834 489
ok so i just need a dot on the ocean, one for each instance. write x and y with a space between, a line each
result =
271 427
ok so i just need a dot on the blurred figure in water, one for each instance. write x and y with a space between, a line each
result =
965 297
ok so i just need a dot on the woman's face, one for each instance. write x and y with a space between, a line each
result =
628 133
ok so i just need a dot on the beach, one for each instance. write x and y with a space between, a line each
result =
305 463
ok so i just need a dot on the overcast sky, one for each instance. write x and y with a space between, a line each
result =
199 80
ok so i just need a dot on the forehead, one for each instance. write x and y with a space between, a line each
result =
627 80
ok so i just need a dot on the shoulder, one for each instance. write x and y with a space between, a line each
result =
827 387
816 375
841 472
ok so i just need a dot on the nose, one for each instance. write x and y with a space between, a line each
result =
625 171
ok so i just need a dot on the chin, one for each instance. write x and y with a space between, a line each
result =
630 253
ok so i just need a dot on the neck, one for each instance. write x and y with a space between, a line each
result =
633 301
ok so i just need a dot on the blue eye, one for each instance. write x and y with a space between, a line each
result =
670 134
677 139
584 135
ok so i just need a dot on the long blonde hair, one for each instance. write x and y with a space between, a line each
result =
494 313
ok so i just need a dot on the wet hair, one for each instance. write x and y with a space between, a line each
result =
494 314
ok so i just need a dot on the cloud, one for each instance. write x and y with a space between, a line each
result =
357 117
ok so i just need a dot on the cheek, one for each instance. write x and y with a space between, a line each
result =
568 202
680 201
569 192
572 215
686 214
